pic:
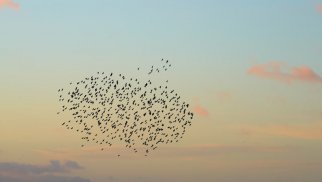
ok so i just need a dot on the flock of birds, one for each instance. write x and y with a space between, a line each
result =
108 108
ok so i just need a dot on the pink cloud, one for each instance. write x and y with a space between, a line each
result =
275 71
200 110
10 4
319 8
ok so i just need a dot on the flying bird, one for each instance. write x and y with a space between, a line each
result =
137 113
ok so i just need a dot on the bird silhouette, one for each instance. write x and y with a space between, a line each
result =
141 115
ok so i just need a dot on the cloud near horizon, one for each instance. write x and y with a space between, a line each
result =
18 172
54 167
201 151
308 131
10 4
275 71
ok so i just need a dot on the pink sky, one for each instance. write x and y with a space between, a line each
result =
278 71
9 3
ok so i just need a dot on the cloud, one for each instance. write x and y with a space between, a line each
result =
319 8
9 4
18 172
54 167
73 165
189 152
204 150
45 178
311 131
275 71
200 110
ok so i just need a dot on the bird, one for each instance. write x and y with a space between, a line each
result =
125 109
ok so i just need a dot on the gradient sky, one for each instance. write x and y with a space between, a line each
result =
251 69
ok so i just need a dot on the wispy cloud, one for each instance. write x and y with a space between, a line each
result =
189 152
200 110
53 167
210 150
18 172
301 131
44 178
275 71
9 4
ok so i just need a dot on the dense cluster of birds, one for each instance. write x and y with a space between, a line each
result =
108 108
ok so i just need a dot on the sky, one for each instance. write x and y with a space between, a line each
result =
251 70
